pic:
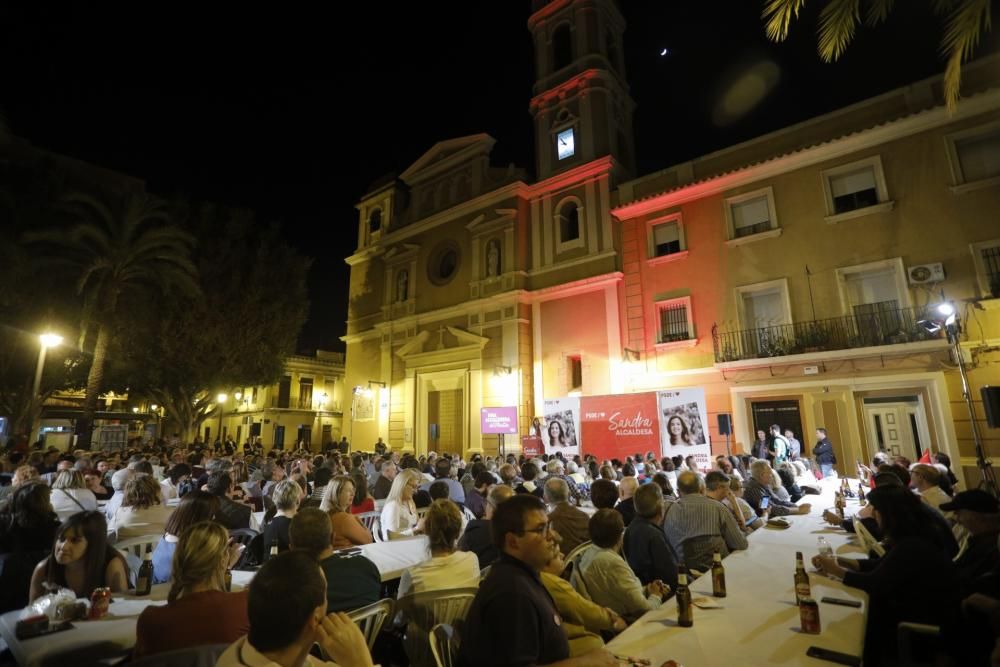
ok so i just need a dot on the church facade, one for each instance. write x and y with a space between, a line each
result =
789 276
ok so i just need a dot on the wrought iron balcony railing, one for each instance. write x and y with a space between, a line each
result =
879 325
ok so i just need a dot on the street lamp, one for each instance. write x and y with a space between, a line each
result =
220 399
46 340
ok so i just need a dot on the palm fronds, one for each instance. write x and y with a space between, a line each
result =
837 22
778 15
970 19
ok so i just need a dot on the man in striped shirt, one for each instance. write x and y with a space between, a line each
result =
698 525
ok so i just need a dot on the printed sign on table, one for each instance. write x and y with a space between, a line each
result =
531 446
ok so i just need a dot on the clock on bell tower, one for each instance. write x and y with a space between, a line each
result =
581 106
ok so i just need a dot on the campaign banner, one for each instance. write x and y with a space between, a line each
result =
498 421
531 446
560 432
619 426
684 425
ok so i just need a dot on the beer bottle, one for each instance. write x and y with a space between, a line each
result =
802 589
861 496
685 611
718 576
229 580
144 578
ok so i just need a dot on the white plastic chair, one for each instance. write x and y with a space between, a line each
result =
423 611
444 644
372 521
136 546
370 619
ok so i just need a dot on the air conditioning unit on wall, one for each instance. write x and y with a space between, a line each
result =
922 274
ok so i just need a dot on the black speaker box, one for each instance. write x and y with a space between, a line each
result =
991 403
725 424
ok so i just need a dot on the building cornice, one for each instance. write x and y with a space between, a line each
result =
468 207
853 143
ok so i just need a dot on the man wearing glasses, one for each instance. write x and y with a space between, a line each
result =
513 620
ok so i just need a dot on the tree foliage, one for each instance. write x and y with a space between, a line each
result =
965 21
252 305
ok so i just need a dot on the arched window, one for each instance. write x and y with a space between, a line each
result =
569 222
562 47
375 221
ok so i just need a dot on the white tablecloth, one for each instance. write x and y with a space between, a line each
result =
110 637
114 636
394 557
759 621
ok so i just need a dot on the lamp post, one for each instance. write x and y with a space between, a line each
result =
220 399
953 328
45 341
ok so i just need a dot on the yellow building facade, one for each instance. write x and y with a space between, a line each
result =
790 276
305 406
808 264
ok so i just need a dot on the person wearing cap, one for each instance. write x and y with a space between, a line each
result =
978 513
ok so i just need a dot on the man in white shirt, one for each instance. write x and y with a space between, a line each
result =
925 480
287 611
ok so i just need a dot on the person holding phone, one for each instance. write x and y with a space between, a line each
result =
757 492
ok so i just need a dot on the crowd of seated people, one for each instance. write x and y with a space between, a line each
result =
561 580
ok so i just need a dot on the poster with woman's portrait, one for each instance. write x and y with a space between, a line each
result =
561 427
684 425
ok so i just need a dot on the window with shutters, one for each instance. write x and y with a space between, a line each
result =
675 326
986 259
665 239
855 189
751 216
974 157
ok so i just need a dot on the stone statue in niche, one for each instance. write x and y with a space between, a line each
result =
493 259
402 285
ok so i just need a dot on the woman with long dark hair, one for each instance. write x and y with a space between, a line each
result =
678 431
195 507
363 502
557 435
28 522
81 559
916 581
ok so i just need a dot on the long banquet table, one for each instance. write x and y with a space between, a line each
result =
758 623
114 636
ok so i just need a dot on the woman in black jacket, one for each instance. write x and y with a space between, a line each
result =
915 581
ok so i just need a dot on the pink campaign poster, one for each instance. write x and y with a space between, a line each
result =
498 421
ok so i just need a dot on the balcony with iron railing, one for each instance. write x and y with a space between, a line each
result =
306 403
879 326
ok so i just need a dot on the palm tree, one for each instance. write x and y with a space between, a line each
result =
130 249
965 21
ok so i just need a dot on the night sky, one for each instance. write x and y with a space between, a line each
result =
293 113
